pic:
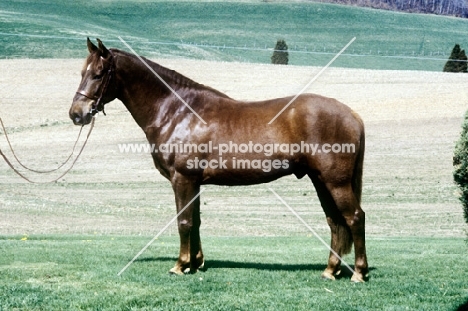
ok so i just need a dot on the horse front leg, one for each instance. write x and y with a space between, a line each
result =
190 255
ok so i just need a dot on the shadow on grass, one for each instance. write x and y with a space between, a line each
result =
463 307
228 264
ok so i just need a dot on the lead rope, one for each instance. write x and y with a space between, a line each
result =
49 171
34 170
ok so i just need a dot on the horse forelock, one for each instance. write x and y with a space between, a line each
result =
88 64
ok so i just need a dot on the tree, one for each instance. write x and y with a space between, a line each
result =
280 54
462 64
457 61
460 163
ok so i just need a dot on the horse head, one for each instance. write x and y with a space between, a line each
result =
96 86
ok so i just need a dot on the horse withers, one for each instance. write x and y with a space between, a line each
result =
210 138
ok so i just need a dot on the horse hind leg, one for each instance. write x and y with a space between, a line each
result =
341 237
348 205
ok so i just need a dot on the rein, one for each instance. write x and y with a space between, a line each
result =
96 107
49 171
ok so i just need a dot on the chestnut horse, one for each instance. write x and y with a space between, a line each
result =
192 114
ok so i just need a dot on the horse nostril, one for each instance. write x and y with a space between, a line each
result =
76 118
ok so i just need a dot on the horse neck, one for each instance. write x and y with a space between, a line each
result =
145 95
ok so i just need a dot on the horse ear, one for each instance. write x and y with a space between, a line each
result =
102 49
91 47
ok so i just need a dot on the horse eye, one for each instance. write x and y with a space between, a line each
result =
97 77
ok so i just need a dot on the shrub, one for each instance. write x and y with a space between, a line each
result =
460 163
280 54
457 61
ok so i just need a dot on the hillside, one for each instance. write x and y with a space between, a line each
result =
458 8
232 31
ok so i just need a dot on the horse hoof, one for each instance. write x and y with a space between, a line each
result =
357 278
175 271
327 276
202 266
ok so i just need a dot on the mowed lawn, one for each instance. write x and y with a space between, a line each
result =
250 273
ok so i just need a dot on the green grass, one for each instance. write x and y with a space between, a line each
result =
385 40
281 273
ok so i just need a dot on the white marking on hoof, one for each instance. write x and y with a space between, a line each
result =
327 276
175 271
356 279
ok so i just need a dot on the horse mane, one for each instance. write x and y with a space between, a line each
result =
172 76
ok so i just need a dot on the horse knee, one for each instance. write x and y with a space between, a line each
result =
185 226
348 206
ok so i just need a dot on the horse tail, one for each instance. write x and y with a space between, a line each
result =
359 165
345 238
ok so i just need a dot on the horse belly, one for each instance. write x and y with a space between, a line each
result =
244 176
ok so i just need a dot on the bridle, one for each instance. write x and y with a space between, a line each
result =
98 105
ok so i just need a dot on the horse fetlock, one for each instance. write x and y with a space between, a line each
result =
188 267
180 267
331 273
199 264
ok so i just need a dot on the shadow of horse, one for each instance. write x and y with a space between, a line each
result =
463 307
229 264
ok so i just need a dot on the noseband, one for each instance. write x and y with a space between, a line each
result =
98 105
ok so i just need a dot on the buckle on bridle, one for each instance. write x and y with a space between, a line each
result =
96 107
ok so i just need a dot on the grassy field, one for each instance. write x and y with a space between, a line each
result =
232 31
80 273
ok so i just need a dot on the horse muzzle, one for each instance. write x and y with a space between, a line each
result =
80 112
